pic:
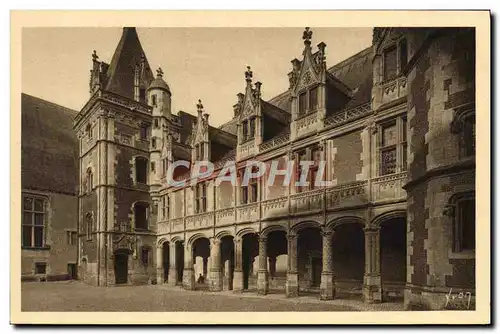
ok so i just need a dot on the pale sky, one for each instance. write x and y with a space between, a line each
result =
198 63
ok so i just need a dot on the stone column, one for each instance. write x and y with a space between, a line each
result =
172 267
215 270
160 273
238 265
372 285
262 274
205 267
188 274
292 275
327 287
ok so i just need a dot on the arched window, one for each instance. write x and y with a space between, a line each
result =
462 210
141 170
464 125
141 216
89 180
89 222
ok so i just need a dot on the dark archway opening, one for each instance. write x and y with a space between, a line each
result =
393 258
249 252
227 261
166 261
348 250
309 253
201 253
121 266
277 252
179 260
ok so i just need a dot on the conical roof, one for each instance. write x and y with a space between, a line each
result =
121 70
158 82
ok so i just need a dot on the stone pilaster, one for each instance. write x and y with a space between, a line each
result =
215 270
238 265
292 275
160 271
372 285
172 265
262 274
327 287
188 274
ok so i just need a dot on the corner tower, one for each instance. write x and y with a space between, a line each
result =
114 128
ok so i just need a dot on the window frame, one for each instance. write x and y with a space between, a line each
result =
145 206
35 268
453 210
400 146
33 211
144 166
397 44
89 226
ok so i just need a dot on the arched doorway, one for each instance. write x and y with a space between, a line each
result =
227 261
166 261
393 257
121 266
277 251
179 261
348 253
310 258
201 253
250 250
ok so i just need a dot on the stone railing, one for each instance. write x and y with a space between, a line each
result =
124 102
177 224
248 212
307 201
389 187
225 216
277 141
348 115
305 122
274 207
200 220
349 194
394 89
163 227
247 148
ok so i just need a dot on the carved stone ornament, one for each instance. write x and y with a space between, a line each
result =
307 79
449 211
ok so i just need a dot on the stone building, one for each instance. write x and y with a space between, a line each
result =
394 123
49 184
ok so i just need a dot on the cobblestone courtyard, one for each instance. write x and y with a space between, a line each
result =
75 296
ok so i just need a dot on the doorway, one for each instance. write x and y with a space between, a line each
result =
316 267
72 271
121 268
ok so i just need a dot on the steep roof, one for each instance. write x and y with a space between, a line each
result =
128 54
49 147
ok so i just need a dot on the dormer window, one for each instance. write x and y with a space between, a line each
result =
143 132
313 99
395 59
308 101
251 131
245 130
302 103
142 94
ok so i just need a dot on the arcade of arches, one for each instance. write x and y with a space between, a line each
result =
340 259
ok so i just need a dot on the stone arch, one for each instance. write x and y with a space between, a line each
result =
303 224
195 237
388 215
133 216
273 228
161 241
243 232
175 239
223 234
331 225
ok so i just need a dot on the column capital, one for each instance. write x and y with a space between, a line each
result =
263 238
327 233
371 229
291 236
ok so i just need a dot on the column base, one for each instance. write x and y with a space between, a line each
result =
215 283
238 281
172 277
327 286
262 282
372 289
292 285
160 276
188 279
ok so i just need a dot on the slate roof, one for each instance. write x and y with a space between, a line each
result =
49 147
128 54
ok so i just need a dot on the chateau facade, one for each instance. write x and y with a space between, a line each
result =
394 123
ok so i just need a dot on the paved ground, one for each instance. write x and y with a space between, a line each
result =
75 296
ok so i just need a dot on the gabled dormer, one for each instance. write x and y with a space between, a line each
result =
389 66
249 111
200 141
315 92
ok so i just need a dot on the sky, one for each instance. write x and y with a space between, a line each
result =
198 63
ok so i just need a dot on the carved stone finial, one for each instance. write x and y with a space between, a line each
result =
306 36
95 56
199 106
258 85
248 74
159 72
